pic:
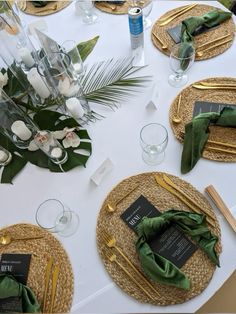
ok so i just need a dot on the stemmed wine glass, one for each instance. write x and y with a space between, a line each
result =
87 8
146 6
181 59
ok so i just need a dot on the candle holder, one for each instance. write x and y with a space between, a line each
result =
51 147
56 68
69 47
5 156
15 124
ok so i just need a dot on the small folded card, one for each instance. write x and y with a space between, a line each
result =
16 265
171 244
102 171
175 32
205 106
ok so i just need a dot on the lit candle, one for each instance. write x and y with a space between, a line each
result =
56 152
26 57
38 83
74 107
21 130
3 156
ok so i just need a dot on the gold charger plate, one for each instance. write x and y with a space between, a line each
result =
198 268
228 27
41 250
50 8
217 133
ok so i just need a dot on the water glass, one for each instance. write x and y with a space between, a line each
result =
70 48
51 147
146 6
153 141
87 9
180 63
53 216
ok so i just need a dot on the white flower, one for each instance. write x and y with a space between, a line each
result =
3 79
71 139
67 88
32 146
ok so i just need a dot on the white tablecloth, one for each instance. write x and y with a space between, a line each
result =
117 137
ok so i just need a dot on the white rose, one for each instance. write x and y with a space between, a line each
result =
3 79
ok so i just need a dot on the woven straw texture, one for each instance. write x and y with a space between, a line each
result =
198 268
225 28
41 250
116 9
50 8
220 134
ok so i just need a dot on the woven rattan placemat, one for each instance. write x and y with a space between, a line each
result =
117 9
50 8
225 28
41 250
198 268
220 134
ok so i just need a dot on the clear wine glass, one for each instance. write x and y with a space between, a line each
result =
53 216
87 8
180 62
146 6
153 140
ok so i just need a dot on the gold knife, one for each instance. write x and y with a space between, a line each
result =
162 183
174 13
168 20
173 185
46 286
217 84
223 87
54 286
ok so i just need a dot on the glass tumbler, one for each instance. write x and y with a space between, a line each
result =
146 6
53 216
153 141
87 9
181 59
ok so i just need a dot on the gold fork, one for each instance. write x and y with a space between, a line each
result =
111 243
112 258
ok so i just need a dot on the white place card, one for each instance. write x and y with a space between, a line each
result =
105 168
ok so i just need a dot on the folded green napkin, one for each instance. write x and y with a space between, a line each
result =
9 287
197 132
189 25
159 268
39 4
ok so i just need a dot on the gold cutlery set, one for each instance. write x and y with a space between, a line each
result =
50 287
139 279
215 43
166 20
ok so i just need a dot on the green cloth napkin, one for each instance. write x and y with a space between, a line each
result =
9 287
197 133
189 25
39 4
159 268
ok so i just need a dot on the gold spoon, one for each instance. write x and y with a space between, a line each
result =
111 207
7 239
177 119
201 53
163 46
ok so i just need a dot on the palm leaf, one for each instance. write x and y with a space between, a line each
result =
109 82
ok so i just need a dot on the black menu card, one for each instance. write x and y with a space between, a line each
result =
175 32
204 106
16 265
171 244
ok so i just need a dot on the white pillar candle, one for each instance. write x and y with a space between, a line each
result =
26 57
74 107
38 83
77 67
3 156
20 129
56 152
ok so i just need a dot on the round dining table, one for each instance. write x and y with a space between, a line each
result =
116 137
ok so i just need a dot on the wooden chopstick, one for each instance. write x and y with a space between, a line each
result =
217 200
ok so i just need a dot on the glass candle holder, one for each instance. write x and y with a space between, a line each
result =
56 69
153 140
51 147
5 156
53 216
15 124
69 47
